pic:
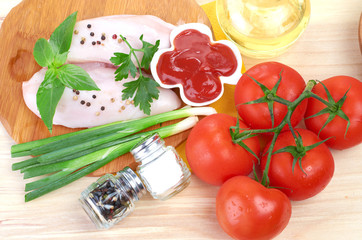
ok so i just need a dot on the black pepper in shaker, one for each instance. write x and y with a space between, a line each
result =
111 198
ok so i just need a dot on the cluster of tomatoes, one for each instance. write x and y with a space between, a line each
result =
300 164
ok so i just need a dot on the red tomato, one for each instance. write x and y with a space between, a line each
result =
212 155
317 164
257 115
352 107
246 210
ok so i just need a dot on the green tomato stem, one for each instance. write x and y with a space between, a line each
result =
265 178
280 100
276 130
313 95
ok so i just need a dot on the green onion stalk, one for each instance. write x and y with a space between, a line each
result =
123 128
68 146
69 162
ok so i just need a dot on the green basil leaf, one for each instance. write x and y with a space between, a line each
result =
62 36
60 59
75 77
43 53
49 93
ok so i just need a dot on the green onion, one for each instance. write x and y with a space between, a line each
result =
37 161
47 180
99 159
124 128
44 167
68 157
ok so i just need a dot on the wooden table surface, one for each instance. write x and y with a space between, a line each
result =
328 47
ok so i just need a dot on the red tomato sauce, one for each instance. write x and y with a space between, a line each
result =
197 65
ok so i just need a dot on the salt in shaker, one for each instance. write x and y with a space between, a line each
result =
161 169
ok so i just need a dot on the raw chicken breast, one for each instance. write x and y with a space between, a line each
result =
78 109
95 40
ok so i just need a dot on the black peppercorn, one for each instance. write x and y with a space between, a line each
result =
103 37
112 197
92 34
108 198
89 26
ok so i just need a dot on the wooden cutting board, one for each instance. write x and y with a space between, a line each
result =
33 19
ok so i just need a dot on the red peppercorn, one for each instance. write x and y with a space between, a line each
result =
114 36
98 42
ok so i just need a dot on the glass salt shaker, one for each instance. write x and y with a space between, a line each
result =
161 169
161 172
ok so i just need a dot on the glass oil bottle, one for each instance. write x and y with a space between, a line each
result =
263 28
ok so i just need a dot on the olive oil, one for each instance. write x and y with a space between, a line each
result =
263 28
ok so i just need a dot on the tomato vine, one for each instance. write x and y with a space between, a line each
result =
270 97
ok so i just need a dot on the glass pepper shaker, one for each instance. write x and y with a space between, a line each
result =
161 172
111 198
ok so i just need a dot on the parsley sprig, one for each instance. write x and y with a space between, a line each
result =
53 55
143 90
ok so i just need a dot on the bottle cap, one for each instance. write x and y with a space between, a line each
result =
133 182
149 145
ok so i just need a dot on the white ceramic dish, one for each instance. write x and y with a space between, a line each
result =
232 79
